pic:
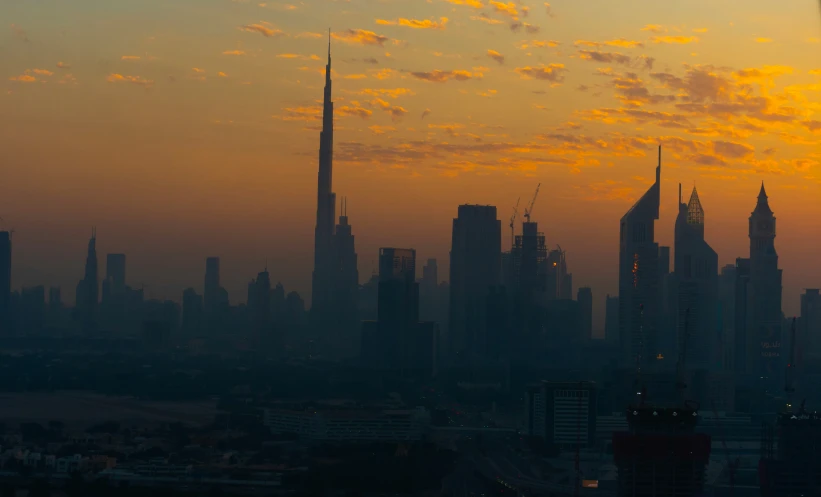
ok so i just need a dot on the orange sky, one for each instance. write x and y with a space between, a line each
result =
189 128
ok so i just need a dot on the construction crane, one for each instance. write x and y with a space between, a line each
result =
513 220
789 378
529 209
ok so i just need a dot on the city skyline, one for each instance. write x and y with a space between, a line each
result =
419 208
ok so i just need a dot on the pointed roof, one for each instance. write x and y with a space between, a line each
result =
647 206
762 207
695 213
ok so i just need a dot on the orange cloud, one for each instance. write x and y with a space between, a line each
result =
486 19
508 8
618 42
130 57
493 54
476 4
395 111
415 23
385 73
550 72
438 76
379 130
264 29
233 52
222 74
763 40
361 37
63 65
355 76
137 80
42 72
674 40
346 110
23 78
198 70
389 92
654 28
699 30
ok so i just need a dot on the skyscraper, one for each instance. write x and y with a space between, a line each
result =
585 299
696 276
475 267
764 327
346 280
259 305
323 275
88 288
809 332
5 282
639 299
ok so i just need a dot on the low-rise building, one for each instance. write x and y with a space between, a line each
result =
354 425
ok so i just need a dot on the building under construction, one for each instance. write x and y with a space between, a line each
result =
791 455
661 455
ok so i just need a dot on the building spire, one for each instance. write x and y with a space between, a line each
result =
658 168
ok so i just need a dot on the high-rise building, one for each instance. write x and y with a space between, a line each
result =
696 271
475 267
585 299
558 282
346 281
115 272
810 331
611 319
88 288
211 293
562 413
428 291
639 299
322 287
726 306
5 282
192 313
741 342
259 306
766 318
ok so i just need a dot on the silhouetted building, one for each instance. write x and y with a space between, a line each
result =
696 267
322 288
259 306
346 286
765 316
611 319
726 303
562 414
740 327
558 282
397 341
88 289
790 464
639 299
809 332
475 267
585 299
428 286
192 313
661 455
5 282
115 272
31 311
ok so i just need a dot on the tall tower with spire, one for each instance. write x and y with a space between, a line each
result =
323 275
696 276
639 295
764 295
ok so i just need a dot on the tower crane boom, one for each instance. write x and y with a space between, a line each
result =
529 208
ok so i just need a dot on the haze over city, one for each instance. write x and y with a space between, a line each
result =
189 129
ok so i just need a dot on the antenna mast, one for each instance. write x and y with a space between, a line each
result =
512 220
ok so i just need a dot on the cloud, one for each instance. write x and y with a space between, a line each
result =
763 40
508 8
130 57
137 80
360 112
19 33
388 92
222 74
297 56
415 23
618 42
654 28
476 4
384 73
233 52
395 111
605 57
438 76
198 70
531 29
550 72
486 19
699 30
309 35
23 78
42 72
524 45
488 93
549 10
264 29
355 76
425 113
370 60
361 37
632 91
63 65
674 40
493 54
379 130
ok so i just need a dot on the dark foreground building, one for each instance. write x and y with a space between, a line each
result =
661 456
791 456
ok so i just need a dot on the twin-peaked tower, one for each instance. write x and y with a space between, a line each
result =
335 279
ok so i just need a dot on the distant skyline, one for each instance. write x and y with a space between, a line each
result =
186 129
